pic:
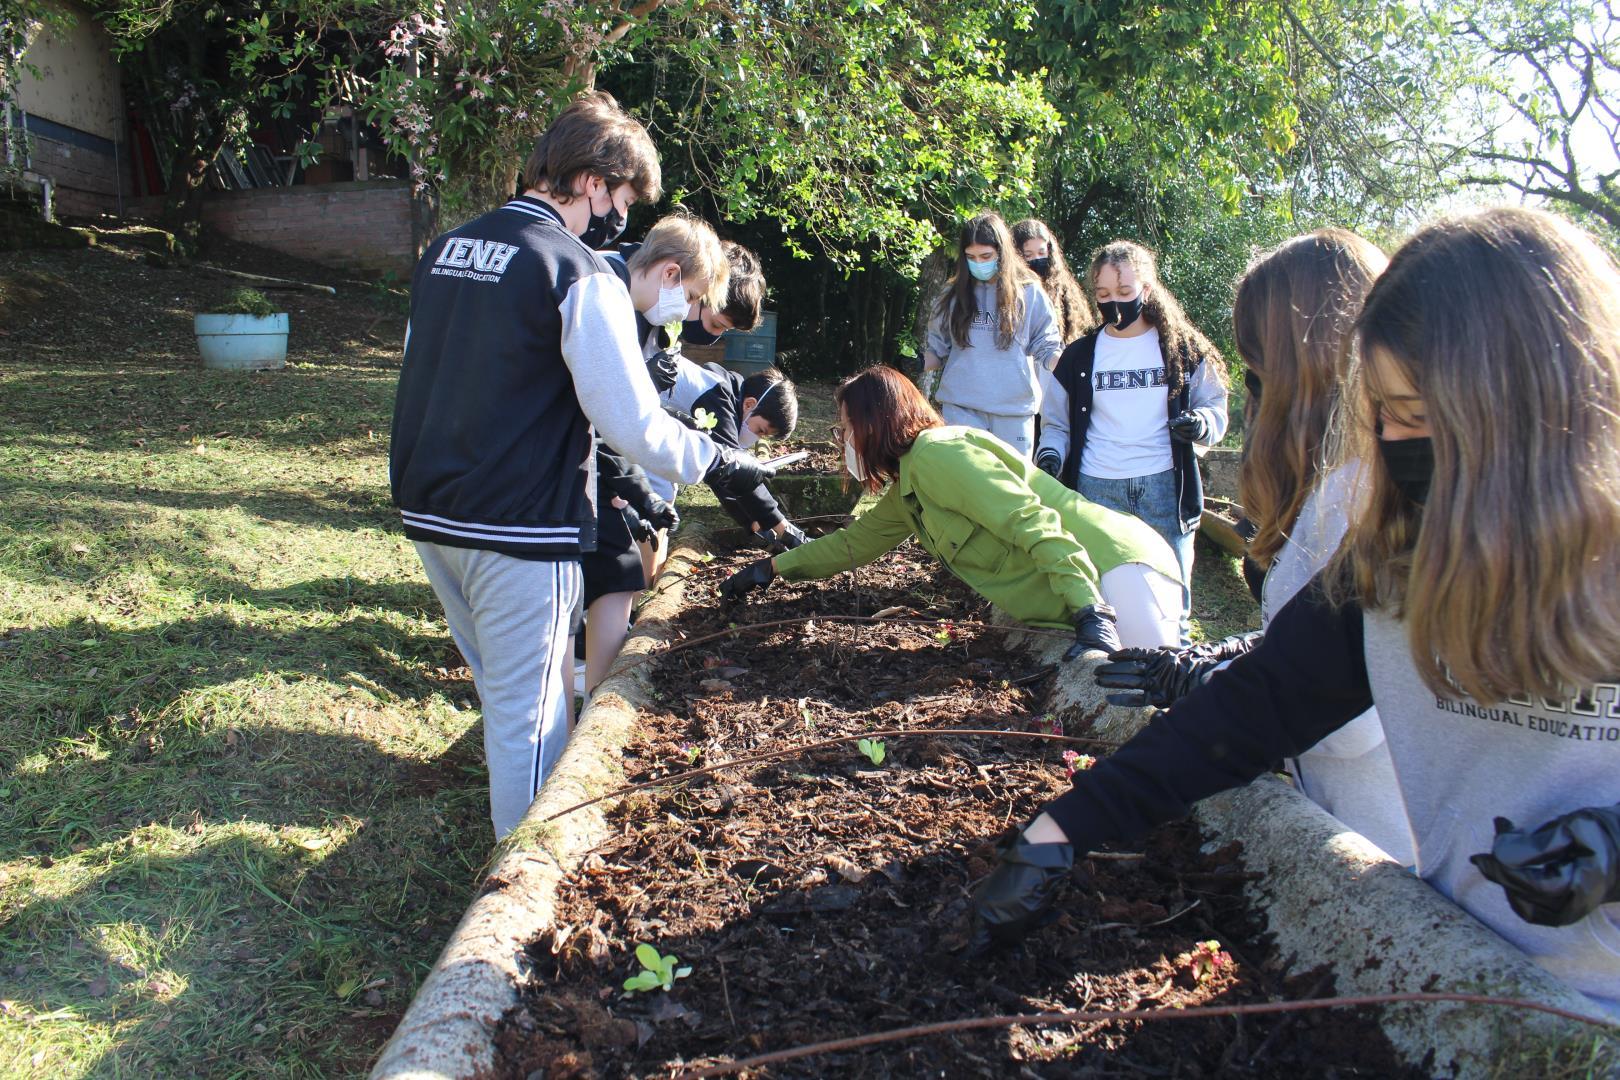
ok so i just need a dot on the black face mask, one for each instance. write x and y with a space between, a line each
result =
693 333
1411 465
1252 382
1121 313
1041 266
603 229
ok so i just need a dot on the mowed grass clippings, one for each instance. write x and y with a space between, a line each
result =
242 800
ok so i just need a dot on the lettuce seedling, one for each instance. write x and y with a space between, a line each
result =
705 419
656 971
1205 959
873 749
692 752
1074 762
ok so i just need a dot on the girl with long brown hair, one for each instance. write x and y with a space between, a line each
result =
1044 256
1291 320
1475 601
1037 550
992 331
1128 402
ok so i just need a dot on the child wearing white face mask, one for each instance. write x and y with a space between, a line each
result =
738 411
681 263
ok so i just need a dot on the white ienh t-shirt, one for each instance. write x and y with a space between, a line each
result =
1129 433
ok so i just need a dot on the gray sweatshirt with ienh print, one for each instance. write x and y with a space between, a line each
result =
982 375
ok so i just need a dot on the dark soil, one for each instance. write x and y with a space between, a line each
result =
822 896
824 456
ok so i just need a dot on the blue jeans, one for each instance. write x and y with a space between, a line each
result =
1153 499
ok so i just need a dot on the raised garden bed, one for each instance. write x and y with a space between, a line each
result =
823 895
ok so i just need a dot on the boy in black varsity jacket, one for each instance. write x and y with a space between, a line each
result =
519 342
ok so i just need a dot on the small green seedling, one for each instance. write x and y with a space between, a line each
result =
692 752
1205 959
705 419
657 972
873 749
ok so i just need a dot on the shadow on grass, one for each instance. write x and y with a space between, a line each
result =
233 935
166 408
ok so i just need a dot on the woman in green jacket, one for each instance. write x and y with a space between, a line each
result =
1021 539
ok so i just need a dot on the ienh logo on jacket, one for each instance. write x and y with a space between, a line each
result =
476 260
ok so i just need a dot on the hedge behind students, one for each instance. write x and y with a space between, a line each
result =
1044 255
1476 602
991 332
1127 403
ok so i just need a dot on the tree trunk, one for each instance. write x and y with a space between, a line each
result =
930 283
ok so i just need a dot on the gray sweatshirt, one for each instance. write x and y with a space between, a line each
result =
986 378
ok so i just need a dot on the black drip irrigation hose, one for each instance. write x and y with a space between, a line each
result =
1132 1015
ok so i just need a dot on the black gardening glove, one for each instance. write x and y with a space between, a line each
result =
1161 677
1010 902
660 514
640 528
792 536
1049 461
736 471
661 367
756 575
1561 872
1190 427
1095 630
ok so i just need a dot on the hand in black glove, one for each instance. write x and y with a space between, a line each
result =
660 514
640 528
1561 872
661 367
1049 461
756 575
1095 630
1010 902
1190 427
736 471
1160 677
791 537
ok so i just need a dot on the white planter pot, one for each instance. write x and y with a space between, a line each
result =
242 342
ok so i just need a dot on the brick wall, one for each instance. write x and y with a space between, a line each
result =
362 225
85 180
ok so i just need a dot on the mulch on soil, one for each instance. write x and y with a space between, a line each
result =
823 896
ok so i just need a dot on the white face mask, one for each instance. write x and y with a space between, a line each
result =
671 307
852 461
746 436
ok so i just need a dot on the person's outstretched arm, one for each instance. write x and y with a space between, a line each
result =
1307 678
876 532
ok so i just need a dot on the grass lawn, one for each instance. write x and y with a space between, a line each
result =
242 799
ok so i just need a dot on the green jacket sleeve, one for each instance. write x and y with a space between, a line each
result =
973 482
881 529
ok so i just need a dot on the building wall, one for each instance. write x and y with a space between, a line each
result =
359 225
74 111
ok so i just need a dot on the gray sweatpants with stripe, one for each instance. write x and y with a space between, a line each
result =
511 619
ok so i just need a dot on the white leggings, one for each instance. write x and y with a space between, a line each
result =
1148 605
1017 432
